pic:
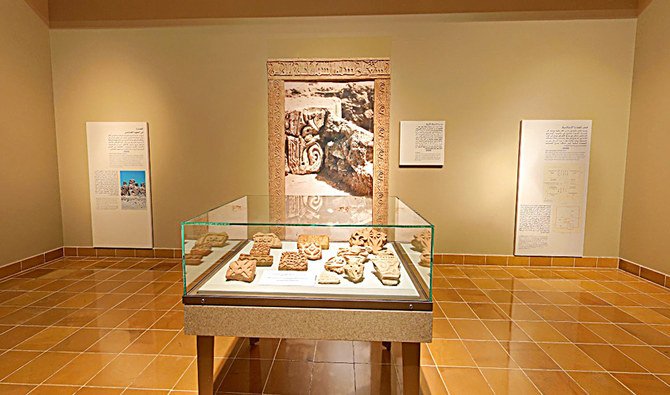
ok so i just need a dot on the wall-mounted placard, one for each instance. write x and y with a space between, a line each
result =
120 185
422 143
552 188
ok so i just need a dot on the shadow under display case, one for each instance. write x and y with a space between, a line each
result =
321 251
309 267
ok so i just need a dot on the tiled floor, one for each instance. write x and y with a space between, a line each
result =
112 326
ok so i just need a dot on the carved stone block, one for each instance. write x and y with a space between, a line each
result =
293 260
354 270
425 259
368 237
387 270
327 277
267 238
357 251
210 240
311 250
193 259
421 241
335 264
261 260
260 249
242 270
200 251
322 240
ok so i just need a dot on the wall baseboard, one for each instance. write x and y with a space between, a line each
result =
635 269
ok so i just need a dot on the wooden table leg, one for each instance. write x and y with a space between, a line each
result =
410 368
205 346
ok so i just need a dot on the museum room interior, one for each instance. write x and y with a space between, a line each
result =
352 197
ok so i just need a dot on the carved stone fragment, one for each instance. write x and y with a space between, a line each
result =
322 240
261 260
387 270
293 260
200 251
369 237
354 269
311 250
421 241
335 264
354 251
327 277
267 238
193 259
425 259
210 240
242 270
260 249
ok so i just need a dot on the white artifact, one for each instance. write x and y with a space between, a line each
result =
387 270
327 277
335 264
354 270
312 251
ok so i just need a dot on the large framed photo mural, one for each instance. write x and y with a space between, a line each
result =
328 130
552 188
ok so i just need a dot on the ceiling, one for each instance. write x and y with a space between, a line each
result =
71 13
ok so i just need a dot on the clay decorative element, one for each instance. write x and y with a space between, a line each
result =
312 251
327 277
261 260
387 270
425 259
293 260
421 241
260 249
335 264
210 240
242 270
369 237
354 251
267 238
321 240
354 269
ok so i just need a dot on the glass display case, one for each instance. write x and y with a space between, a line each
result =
311 251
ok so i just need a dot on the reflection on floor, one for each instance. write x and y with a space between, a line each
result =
112 326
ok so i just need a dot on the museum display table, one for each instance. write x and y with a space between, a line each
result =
326 273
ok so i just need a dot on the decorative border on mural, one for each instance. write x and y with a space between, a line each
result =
281 70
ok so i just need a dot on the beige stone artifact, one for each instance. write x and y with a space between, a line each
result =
210 240
311 250
425 259
362 252
267 238
293 260
354 269
322 240
260 249
335 264
242 270
327 277
387 270
193 259
368 237
261 260
421 241
360 237
377 241
200 251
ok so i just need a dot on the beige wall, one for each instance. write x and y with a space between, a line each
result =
203 91
30 218
646 212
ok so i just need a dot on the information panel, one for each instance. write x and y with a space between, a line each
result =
119 183
553 180
422 143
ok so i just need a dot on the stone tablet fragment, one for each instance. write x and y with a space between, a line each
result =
327 277
261 260
335 264
210 240
425 259
353 270
293 260
368 237
260 249
421 241
312 251
322 240
387 270
267 238
242 270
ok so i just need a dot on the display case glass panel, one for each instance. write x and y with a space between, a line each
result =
319 250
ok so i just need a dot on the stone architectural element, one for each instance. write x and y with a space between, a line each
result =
343 68
260 249
387 270
354 251
293 260
193 259
368 237
354 270
267 238
335 264
261 260
425 259
311 250
327 277
210 240
242 270
421 241
322 240
304 153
